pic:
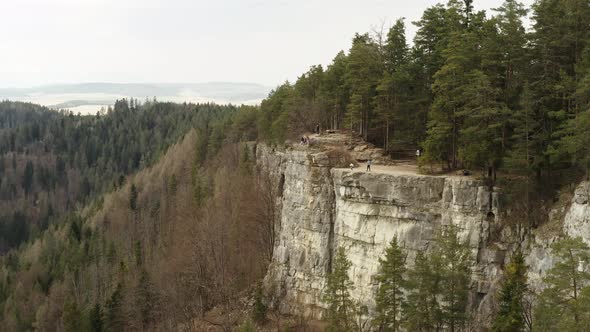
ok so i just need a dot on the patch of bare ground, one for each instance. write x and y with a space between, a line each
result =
361 152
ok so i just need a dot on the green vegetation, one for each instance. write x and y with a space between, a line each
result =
135 218
511 316
57 162
475 90
391 278
116 236
565 304
430 296
341 307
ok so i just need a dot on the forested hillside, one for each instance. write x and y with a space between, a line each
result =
135 257
54 162
474 89
147 215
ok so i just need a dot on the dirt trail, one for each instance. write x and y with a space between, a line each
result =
360 149
402 169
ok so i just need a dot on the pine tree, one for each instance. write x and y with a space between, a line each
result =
390 295
505 51
448 109
341 308
392 91
510 316
564 305
114 318
334 91
575 132
28 177
422 310
456 262
560 36
133 197
364 69
481 138
147 301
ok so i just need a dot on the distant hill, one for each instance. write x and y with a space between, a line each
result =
89 97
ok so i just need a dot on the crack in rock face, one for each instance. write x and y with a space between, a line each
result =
323 208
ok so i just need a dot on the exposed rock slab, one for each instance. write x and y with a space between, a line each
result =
323 208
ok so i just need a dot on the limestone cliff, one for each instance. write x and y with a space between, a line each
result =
324 207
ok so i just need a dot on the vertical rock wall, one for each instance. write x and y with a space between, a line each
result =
323 208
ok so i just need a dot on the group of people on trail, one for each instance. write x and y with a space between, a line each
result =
304 140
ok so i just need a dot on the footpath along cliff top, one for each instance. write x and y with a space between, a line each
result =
361 151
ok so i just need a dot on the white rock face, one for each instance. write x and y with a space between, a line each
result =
372 208
324 208
576 223
577 219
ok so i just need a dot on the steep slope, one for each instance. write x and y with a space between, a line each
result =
324 207
172 242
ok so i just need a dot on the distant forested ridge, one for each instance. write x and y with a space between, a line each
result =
52 162
148 215
107 219
474 90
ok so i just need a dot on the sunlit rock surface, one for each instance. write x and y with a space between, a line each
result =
323 208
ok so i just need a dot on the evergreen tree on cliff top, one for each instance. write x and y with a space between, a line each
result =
341 307
510 317
390 295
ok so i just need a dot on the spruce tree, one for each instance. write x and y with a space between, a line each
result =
481 137
564 305
390 295
114 315
455 256
392 91
422 311
448 108
575 132
510 316
364 68
341 308
133 197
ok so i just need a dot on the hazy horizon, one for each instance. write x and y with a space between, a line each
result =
146 41
88 98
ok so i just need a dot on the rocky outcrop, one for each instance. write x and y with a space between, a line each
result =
324 207
571 219
373 208
577 218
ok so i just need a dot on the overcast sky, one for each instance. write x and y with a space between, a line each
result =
137 41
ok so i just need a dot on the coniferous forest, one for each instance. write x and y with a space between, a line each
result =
155 216
473 90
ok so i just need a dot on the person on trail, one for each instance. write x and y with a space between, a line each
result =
317 129
351 166
418 153
369 165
